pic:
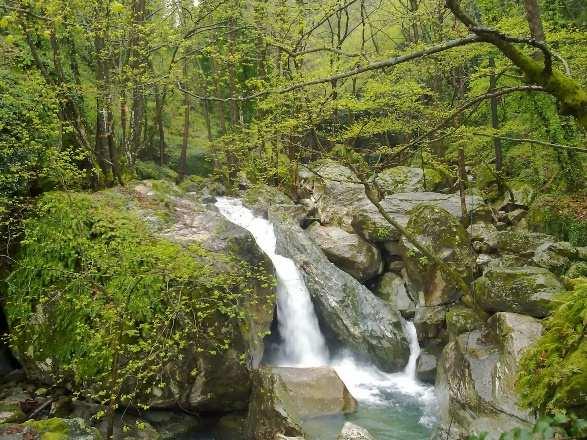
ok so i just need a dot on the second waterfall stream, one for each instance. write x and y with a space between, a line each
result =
303 344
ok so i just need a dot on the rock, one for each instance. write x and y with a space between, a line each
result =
484 236
349 252
392 288
346 309
430 322
231 426
436 229
196 379
283 437
350 431
172 424
316 392
521 243
396 266
370 223
516 216
400 179
10 412
577 270
528 290
483 260
58 429
426 367
461 319
335 189
476 377
270 409
555 257
523 194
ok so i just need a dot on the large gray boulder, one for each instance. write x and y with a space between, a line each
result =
350 431
316 392
400 179
369 222
270 408
197 379
335 190
437 230
348 310
54 428
392 288
475 382
350 252
528 290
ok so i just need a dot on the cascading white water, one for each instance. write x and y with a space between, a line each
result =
303 344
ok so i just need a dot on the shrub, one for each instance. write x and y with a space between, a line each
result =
553 372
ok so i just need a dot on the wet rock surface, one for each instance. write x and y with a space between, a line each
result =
362 321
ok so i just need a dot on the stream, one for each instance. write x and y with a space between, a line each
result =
391 406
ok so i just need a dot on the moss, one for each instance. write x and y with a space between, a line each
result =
577 270
553 372
461 319
151 170
50 429
11 413
92 278
562 216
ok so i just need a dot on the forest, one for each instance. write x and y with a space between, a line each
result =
293 219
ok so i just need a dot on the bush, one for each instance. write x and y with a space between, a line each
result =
553 372
94 291
562 216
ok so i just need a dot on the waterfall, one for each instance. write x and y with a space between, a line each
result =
412 336
303 344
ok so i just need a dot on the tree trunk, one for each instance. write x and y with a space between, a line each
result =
159 103
534 21
137 71
186 132
495 125
221 113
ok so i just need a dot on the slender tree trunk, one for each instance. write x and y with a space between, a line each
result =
186 131
137 71
206 104
495 124
234 110
123 124
159 103
534 21
463 184
221 112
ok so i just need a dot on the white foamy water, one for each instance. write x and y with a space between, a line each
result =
303 344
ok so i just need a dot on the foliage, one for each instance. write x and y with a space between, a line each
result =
553 372
98 302
32 158
546 428
562 216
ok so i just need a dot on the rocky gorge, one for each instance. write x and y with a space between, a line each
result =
365 281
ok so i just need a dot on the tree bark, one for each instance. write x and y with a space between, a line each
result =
186 132
137 71
495 123
534 21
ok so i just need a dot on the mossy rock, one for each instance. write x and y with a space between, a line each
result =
10 412
117 274
577 270
151 170
444 235
51 429
562 216
462 319
527 290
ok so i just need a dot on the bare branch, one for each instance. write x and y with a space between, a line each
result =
533 141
